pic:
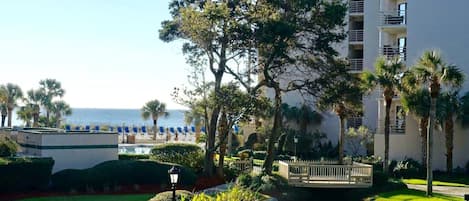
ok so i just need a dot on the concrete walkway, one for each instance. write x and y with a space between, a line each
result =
445 190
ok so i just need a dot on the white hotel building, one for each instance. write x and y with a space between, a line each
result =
404 28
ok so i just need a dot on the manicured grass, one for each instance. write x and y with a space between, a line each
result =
435 183
136 197
412 195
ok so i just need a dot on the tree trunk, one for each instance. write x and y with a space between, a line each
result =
212 129
341 139
276 128
388 102
222 133
4 116
423 123
154 128
10 112
35 120
431 125
57 121
449 136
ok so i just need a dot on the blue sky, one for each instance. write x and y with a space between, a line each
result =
106 53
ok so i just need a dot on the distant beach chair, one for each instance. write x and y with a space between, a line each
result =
126 130
179 133
68 128
77 128
172 134
161 132
135 130
186 132
87 128
96 128
144 130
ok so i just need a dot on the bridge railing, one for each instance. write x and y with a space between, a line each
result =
316 173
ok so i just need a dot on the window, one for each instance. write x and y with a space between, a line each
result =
399 126
402 11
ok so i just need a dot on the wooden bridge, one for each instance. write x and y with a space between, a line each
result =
326 174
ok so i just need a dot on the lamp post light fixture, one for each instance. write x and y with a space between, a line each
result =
295 140
174 176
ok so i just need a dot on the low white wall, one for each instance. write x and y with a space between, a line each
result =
71 150
408 145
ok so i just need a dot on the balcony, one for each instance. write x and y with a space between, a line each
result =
356 36
396 127
393 21
356 64
391 52
356 7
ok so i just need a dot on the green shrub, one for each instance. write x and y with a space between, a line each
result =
259 155
133 156
119 172
265 183
25 174
187 155
234 194
408 168
244 180
380 178
8 147
168 195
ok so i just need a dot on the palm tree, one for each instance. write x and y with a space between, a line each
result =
33 101
14 93
25 113
51 89
345 100
3 104
432 72
60 109
447 108
417 102
387 77
155 109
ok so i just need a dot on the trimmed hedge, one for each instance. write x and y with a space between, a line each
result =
25 174
116 173
187 155
134 156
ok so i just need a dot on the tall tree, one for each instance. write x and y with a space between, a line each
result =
345 99
33 101
387 76
3 104
25 113
51 88
154 109
431 71
292 50
14 94
213 30
417 102
59 109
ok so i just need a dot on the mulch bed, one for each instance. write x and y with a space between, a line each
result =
201 183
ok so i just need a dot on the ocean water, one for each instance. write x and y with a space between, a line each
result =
130 117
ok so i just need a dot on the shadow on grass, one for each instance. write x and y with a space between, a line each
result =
409 194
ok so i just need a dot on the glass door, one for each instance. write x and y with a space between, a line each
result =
402 11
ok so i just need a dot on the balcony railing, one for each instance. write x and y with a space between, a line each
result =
356 64
395 127
354 122
356 35
397 17
391 52
356 6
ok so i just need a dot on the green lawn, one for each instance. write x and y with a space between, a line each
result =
412 195
136 197
435 183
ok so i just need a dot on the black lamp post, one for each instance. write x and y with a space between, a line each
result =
174 176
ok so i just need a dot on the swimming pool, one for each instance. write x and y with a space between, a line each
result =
135 148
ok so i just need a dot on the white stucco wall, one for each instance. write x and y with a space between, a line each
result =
71 150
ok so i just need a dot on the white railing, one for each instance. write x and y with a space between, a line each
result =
356 64
391 52
321 175
242 165
397 17
395 127
356 6
356 35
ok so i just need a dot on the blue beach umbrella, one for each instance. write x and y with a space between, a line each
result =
119 130
193 129
161 129
135 129
77 128
179 129
96 128
171 130
127 130
186 130
111 128
236 129
68 128
144 129
87 128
